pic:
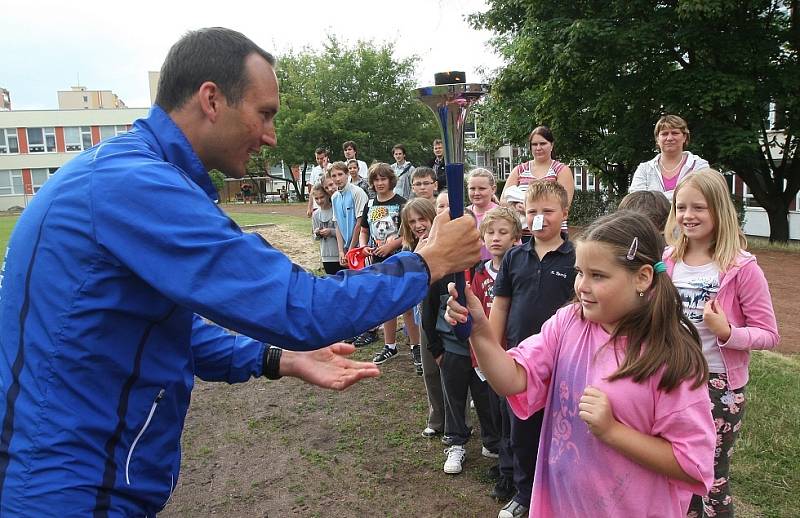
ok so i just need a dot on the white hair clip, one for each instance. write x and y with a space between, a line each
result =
633 249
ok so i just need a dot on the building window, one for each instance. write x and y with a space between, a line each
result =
476 158
469 131
40 176
747 197
590 181
11 182
41 140
77 138
110 131
578 174
503 168
9 143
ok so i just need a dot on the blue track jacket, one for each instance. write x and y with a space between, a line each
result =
105 275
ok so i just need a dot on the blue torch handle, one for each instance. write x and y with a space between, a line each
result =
455 191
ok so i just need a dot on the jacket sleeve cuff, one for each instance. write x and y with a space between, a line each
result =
425 264
734 339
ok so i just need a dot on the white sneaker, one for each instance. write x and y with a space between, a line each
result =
429 432
455 458
513 509
489 454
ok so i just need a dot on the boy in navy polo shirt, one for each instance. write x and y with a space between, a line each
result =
534 280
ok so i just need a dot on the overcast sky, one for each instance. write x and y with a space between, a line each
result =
50 45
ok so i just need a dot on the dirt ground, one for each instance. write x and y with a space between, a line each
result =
287 449
283 448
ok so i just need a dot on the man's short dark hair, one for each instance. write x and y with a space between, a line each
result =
213 54
351 144
401 147
321 151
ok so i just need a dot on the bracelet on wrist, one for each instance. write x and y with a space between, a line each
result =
272 362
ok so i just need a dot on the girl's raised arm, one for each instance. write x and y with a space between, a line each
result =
504 374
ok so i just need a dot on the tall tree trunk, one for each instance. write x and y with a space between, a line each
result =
778 215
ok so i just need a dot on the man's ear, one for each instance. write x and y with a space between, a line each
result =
211 100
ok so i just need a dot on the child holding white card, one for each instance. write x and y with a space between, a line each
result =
534 280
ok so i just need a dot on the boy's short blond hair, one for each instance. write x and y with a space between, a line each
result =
502 214
341 166
546 189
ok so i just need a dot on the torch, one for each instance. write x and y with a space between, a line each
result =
449 100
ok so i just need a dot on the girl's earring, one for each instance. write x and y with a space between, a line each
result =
641 294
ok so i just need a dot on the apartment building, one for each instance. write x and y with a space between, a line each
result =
35 143
80 98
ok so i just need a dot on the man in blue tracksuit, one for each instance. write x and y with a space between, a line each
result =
111 267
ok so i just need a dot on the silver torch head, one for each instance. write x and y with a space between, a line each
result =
450 104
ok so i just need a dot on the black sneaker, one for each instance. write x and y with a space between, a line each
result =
416 357
385 354
503 489
365 339
448 441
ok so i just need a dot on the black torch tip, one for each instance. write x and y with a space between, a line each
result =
449 78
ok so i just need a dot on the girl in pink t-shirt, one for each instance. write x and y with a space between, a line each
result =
481 187
621 377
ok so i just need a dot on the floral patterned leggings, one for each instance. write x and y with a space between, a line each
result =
727 408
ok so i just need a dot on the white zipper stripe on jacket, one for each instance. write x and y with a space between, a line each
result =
141 432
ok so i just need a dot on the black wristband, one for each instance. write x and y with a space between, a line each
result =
272 362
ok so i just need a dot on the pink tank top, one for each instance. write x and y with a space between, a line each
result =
525 174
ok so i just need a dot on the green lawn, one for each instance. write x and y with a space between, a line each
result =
295 223
765 465
6 226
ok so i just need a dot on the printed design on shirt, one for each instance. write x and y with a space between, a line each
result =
610 502
563 414
694 295
384 223
558 274
487 286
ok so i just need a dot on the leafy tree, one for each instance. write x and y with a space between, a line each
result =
360 93
601 72
217 179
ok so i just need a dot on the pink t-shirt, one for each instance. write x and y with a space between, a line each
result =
577 474
485 255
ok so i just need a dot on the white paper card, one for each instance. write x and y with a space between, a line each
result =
538 222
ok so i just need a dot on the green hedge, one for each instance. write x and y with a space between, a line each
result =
587 206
